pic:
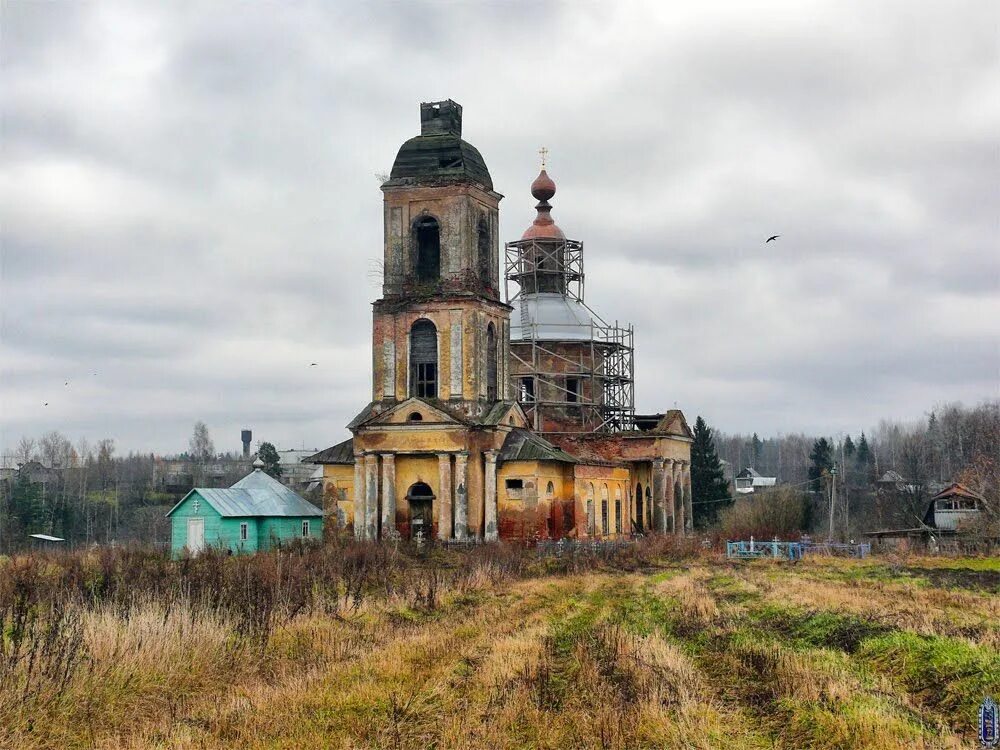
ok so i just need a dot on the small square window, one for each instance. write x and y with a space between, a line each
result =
305 528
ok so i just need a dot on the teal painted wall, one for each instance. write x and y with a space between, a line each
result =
286 529
179 519
224 533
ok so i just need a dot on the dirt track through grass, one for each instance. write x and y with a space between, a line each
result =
703 655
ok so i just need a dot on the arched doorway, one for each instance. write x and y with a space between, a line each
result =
420 498
638 508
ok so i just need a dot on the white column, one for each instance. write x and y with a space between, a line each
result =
688 508
462 495
359 496
371 496
388 495
669 503
659 496
444 496
490 531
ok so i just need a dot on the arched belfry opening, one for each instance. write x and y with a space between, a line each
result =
427 244
423 359
491 363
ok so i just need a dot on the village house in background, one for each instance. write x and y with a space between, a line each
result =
257 513
947 524
496 418
749 481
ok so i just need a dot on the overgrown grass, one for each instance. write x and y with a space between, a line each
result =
350 645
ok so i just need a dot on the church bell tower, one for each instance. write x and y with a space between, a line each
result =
440 330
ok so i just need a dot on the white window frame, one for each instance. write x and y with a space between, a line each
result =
305 529
244 531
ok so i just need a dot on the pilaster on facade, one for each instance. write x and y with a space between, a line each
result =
359 496
461 504
670 501
490 529
371 496
659 496
388 495
688 502
444 496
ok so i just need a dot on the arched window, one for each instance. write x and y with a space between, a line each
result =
415 416
640 516
423 359
591 521
427 242
491 363
484 249
618 510
604 510
550 489
649 508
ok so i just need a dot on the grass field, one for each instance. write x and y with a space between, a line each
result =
684 653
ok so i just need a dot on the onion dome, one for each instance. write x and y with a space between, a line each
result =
543 228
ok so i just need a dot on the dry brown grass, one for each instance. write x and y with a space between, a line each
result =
709 655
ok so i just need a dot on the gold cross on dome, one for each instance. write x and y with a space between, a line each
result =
544 152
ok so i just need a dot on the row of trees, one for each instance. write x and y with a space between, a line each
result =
953 443
86 493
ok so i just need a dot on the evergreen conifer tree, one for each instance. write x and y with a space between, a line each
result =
864 453
709 488
272 462
849 447
822 461
756 446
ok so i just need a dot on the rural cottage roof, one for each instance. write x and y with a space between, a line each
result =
256 494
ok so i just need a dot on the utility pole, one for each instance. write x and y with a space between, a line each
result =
833 496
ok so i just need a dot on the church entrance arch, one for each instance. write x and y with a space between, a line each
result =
420 498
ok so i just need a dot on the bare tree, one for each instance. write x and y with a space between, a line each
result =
25 450
200 446
56 451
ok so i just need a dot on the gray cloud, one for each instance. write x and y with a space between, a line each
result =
191 207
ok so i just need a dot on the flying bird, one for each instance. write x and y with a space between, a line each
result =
772 237
46 403
66 384
314 364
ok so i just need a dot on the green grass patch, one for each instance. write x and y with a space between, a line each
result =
948 675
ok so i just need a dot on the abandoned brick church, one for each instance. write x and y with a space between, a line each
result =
496 417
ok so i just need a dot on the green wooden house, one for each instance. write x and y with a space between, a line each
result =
256 513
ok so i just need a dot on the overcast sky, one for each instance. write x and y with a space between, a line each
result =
191 212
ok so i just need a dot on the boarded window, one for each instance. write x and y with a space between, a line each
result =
423 360
491 363
427 240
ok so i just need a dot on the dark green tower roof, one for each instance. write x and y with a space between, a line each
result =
439 154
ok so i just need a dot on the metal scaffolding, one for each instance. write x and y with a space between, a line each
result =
572 373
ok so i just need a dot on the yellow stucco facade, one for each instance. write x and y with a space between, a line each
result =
441 450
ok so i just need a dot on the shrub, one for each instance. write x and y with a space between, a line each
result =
779 512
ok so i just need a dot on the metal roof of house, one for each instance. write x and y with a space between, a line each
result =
524 445
256 494
341 453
